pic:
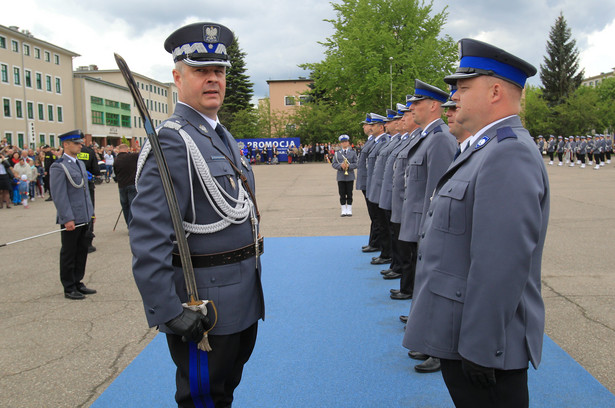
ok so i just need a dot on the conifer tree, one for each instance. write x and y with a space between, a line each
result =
239 90
560 74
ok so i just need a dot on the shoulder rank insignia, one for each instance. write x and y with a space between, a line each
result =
482 142
505 133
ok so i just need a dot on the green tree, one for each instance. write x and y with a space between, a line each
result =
377 43
606 93
536 114
239 90
560 74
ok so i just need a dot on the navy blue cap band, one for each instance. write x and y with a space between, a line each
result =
429 94
497 68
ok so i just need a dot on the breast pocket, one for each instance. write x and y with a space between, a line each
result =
447 295
416 169
450 209
224 174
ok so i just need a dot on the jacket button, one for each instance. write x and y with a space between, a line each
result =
151 311
423 235
450 189
458 294
213 279
420 256
499 353
430 213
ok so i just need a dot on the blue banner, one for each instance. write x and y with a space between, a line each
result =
267 147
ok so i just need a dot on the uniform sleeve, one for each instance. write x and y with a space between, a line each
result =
353 160
152 234
506 225
59 192
439 157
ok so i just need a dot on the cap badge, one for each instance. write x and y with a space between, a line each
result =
211 34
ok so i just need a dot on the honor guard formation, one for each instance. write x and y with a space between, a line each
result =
577 150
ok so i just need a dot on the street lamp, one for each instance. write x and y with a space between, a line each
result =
391 73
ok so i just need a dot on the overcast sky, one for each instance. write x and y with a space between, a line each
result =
277 35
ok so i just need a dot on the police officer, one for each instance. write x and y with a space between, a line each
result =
551 147
373 244
71 197
48 161
222 240
345 162
88 156
477 303
582 151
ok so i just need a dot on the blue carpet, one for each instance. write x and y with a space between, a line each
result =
332 338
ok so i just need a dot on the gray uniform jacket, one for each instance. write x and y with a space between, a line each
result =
609 145
428 160
370 165
582 147
72 204
477 288
541 146
338 159
560 147
551 144
375 189
362 164
235 288
399 175
386 191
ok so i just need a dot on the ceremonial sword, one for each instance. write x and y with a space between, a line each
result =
167 184
40 235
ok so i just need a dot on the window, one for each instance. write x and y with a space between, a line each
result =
19 109
14 46
26 50
28 78
7 107
60 114
56 59
52 140
112 119
125 106
16 75
125 121
50 113
48 82
58 85
97 118
5 72
20 140
9 137
30 109
47 56
112 104
39 81
41 111
96 100
289 100
303 99
37 53
2 42
41 138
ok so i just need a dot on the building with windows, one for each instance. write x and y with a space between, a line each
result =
106 110
597 79
36 89
285 95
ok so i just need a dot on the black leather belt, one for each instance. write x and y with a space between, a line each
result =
222 258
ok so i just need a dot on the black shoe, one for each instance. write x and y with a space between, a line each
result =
381 261
370 248
401 296
385 271
417 355
431 365
74 295
49 199
404 319
392 275
394 290
91 249
86 291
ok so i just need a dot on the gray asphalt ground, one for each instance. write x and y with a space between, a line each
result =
56 352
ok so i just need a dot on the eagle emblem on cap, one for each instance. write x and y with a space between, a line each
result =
211 34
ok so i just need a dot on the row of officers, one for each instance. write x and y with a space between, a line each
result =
460 211
577 149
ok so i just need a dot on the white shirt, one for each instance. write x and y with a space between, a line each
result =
478 134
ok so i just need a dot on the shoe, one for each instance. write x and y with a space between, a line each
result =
550 163
391 275
394 291
583 165
381 261
560 164
597 167
416 355
74 295
370 248
86 291
91 249
348 210
401 296
403 319
49 199
602 164
385 271
431 365
571 165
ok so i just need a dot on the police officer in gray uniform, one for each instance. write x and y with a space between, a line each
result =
69 188
361 184
345 162
551 147
205 165
477 303
582 151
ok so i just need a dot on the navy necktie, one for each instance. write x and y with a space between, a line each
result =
220 132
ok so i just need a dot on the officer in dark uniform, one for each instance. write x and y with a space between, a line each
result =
49 159
224 241
88 156
71 197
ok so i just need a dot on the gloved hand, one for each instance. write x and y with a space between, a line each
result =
478 375
190 325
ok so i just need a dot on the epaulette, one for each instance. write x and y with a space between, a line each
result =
505 133
60 160
437 129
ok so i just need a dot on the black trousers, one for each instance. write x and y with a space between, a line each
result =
510 390
395 253
208 379
550 155
597 158
345 190
373 228
73 257
385 232
407 259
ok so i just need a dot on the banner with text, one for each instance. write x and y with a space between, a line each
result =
265 146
